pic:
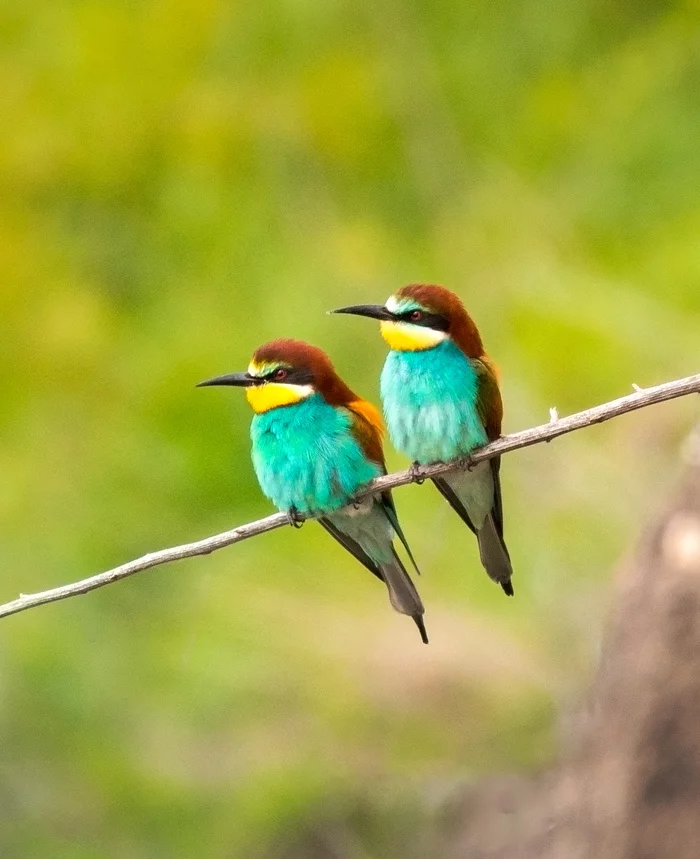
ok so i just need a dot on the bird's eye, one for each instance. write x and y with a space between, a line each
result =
416 316
280 374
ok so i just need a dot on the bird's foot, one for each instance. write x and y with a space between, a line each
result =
416 475
296 520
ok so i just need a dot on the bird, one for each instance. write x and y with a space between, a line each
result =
442 400
315 446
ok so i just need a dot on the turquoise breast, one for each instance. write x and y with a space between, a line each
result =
429 402
305 456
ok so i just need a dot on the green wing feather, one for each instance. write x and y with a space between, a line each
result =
488 401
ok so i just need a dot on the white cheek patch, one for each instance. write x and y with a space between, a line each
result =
427 336
301 391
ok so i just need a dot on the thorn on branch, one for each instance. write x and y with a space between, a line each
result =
553 415
637 388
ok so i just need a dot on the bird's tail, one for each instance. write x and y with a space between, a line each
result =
494 554
402 593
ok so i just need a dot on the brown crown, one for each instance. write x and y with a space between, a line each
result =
304 356
437 299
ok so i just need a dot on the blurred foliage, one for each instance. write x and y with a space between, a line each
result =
180 181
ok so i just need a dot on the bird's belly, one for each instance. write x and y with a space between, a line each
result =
314 467
430 403
434 431
311 481
292 484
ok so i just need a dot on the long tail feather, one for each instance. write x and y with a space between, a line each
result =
403 594
494 555
418 620
492 547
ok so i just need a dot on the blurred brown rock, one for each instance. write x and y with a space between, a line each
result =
631 789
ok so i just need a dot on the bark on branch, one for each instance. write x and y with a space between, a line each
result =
546 432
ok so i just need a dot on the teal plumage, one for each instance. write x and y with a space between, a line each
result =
441 401
429 400
306 457
315 445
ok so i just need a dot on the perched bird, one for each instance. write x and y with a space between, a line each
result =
316 444
441 400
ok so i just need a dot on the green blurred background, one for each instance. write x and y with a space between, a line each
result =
181 181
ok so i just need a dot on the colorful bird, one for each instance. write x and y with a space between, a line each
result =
316 444
441 400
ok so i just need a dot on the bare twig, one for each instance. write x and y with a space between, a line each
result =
546 432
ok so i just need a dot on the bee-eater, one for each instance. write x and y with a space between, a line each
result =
316 444
441 400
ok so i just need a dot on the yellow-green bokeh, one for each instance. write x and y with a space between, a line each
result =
180 181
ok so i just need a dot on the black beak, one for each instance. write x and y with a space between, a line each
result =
374 311
240 380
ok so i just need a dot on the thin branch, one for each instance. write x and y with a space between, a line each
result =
546 432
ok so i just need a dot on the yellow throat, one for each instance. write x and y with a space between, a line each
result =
271 395
404 337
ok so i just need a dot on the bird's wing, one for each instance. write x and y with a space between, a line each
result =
386 500
488 399
497 509
490 408
353 547
368 428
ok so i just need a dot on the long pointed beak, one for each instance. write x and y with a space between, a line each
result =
239 380
374 311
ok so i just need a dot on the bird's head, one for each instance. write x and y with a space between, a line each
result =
421 316
284 372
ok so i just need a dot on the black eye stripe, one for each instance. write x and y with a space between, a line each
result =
295 376
270 376
427 320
